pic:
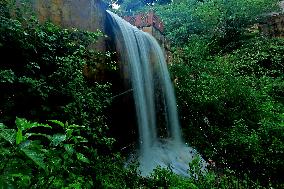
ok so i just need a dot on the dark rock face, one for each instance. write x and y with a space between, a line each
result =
274 26
87 15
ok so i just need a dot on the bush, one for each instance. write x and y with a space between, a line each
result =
231 107
51 155
41 74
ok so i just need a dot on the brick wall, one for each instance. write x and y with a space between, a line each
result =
152 24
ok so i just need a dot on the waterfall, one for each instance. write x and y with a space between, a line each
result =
144 62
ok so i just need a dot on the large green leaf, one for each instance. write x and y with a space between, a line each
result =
24 124
57 122
82 158
7 134
57 139
36 156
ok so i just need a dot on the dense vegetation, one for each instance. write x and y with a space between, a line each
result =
54 121
229 84
232 108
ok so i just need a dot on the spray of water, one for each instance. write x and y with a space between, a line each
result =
145 63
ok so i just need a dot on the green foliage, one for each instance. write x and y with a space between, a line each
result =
231 107
229 82
41 155
41 74
42 79
221 23
229 86
164 178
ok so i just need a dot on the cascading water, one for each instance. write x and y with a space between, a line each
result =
145 63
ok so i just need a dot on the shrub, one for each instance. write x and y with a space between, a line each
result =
231 107
41 74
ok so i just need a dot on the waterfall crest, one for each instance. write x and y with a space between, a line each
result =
145 64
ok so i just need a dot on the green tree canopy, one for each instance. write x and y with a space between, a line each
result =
220 19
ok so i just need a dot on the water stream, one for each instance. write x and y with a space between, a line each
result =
144 62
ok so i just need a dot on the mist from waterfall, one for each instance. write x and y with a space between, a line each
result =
144 61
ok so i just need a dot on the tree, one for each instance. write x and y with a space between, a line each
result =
216 19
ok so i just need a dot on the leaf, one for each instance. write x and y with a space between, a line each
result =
23 124
19 136
27 135
57 139
82 158
78 139
69 133
69 149
8 134
7 75
36 157
76 126
57 122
